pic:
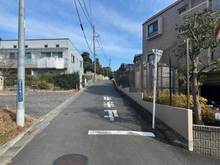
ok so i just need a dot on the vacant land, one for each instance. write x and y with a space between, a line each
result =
8 127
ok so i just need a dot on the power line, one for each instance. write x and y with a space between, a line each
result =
85 12
82 26
102 49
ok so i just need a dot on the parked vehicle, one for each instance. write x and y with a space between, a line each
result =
213 104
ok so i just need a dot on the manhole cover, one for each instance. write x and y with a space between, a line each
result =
72 159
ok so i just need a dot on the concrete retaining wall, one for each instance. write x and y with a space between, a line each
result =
179 119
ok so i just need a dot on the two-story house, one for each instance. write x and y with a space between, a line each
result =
159 33
43 56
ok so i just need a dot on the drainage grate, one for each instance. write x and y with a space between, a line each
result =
72 159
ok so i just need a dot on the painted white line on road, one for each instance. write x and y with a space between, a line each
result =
108 104
111 114
107 98
106 132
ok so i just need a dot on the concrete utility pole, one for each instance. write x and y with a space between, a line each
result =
20 108
94 53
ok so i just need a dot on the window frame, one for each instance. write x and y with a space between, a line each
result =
155 28
72 58
28 55
150 60
218 6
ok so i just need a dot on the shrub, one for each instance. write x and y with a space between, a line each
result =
10 80
67 81
208 115
180 100
42 84
30 80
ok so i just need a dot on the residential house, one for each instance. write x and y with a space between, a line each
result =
159 33
43 56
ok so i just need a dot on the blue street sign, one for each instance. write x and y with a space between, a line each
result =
20 91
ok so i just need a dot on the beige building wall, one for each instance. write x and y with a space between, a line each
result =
166 36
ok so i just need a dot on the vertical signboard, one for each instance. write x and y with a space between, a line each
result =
20 91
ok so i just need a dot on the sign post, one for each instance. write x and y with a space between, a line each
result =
158 54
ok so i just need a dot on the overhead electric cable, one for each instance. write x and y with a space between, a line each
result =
82 27
86 14
89 15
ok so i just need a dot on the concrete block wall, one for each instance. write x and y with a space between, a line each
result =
206 140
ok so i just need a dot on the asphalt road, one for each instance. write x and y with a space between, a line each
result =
68 138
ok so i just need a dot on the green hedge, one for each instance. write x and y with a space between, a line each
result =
65 81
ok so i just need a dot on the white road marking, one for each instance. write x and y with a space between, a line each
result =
108 104
107 98
111 114
106 132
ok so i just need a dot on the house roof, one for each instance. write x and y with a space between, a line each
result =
162 11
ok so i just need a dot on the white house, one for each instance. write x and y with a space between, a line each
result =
44 56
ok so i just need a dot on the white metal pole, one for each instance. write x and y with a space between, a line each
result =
187 73
20 108
155 86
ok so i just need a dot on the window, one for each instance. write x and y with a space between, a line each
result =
12 55
57 45
72 58
80 64
14 46
46 46
181 11
153 29
45 54
215 5
216 53
150 58
57 54
28 55
26 46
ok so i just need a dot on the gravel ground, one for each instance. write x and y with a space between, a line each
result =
37 104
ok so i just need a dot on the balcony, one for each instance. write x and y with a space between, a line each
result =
46 62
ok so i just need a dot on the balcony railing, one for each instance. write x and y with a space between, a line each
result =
46 62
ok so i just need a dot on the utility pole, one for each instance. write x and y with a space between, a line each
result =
20 108
93 27
109 62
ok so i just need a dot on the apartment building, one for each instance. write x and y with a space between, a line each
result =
43 56
159 33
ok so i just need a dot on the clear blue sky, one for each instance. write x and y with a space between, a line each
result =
118 23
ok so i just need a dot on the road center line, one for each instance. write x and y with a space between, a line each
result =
106 132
